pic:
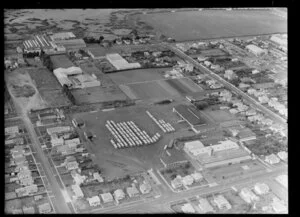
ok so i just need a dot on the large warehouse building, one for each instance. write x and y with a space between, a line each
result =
120 63
255 50
190 115
72 76
225 152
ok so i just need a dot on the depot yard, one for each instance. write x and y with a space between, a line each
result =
140 157
206 24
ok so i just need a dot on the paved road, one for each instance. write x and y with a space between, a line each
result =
166 199
61 205
253 102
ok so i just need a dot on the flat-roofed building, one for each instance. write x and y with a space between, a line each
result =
11 130
62 36
255 49
120 63
72 44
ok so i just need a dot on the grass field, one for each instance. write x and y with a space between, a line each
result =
236 171
184 85
138 75
161 89
219 115
150 90
215 23
97 95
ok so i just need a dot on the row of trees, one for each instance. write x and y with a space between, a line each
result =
68 93
31 54
91 40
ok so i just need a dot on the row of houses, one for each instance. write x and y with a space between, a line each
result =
250 113
117 195
274 159
186 180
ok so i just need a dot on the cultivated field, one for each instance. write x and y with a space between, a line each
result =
206 24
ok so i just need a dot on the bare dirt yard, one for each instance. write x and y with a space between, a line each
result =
30 98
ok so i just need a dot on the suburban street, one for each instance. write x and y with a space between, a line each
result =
252 101
169 197
60 204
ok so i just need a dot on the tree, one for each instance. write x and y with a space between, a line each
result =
101 38
201 105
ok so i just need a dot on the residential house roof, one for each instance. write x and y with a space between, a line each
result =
119 194
188 208
261 188
107 197
132 191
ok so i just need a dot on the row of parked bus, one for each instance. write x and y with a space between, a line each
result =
128 134
165 127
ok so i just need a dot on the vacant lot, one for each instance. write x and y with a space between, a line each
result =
184 85
153 90
55 98
138 75
219 115
236 171
215 23
97 95
44 79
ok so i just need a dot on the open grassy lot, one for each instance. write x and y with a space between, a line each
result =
97 94
55 98
193 25
184 85
160 89
231 172
151 90
137 75
219 115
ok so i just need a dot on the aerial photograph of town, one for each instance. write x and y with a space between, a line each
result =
146 111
